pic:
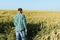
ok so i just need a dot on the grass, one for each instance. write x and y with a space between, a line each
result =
42 25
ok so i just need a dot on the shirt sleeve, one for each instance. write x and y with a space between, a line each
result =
24 22
15 21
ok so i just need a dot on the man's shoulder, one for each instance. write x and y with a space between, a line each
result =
23 14
15 16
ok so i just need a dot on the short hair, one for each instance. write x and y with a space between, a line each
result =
19 9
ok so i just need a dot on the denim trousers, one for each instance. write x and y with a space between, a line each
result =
20 34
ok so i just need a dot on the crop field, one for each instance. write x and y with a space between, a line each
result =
41 25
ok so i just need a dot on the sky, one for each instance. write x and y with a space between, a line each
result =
30 4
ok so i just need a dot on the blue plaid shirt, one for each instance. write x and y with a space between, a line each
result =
20 22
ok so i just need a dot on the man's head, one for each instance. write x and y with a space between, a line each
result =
20 10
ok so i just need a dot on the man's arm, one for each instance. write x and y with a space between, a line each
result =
24 22
15 20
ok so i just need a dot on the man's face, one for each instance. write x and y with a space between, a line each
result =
20 11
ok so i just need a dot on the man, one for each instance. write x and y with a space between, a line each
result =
20 23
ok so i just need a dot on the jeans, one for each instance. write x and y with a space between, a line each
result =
22 35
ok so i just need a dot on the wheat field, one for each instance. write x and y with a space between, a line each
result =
41 25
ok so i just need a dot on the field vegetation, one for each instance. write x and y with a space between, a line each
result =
41 25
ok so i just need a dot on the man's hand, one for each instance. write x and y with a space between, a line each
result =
26 31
